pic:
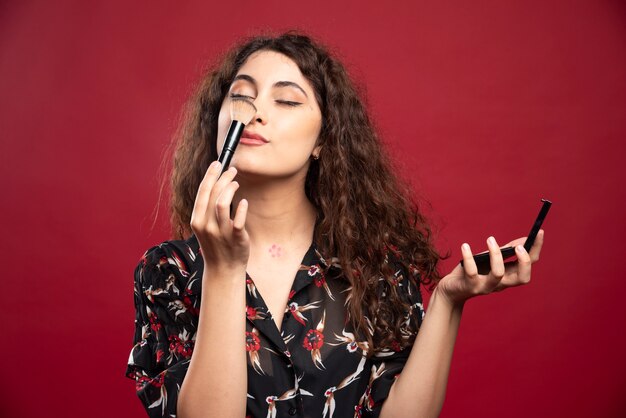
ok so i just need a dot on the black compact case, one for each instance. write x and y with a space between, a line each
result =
482 259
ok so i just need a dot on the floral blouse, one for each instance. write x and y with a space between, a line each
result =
314 367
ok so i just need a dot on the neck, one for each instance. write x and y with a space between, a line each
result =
279 213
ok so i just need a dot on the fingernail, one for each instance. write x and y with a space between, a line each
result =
491 241
215 165
520 249
465 247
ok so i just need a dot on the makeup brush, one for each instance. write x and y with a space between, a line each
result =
241 113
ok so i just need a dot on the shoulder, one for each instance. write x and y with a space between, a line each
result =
168 265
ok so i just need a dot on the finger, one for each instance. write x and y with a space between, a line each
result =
517 272
515 242
203 193
222 207
496 262
536 248
469 264
524 265
239 222
216 191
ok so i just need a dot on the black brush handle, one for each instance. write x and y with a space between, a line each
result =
230 144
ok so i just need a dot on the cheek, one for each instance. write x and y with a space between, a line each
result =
306 128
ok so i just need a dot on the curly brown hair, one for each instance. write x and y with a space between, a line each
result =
365 212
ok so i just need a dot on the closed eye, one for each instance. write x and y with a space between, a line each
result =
288 103
240 96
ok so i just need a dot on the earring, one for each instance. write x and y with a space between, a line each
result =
316 157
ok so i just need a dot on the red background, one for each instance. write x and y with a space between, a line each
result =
488 106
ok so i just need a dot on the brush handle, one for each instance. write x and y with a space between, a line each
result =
230 144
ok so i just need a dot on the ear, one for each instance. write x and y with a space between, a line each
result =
316 151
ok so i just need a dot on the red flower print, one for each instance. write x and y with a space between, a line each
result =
293 292
189 305
251 286
159 355
296 310
314 269
313 340
320 280
180 347
369 402
253 345
154 322
358 411
252 342
253 313
395 346
157 382
250 312
140 382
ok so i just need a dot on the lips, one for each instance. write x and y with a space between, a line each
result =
252 138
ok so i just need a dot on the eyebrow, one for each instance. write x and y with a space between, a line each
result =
250 79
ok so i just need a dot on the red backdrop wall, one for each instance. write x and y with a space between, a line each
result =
488 106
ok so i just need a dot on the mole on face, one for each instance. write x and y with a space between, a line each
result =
275 250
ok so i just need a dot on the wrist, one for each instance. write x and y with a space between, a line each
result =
452 303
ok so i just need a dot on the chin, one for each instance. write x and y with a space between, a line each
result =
266 170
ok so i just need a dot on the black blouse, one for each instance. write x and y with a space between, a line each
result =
314 367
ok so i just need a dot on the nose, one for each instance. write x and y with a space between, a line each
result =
259 116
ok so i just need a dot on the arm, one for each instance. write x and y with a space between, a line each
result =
170 381
420 389
216 382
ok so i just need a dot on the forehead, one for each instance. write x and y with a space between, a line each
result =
271 66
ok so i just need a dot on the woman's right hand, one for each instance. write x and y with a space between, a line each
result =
224 243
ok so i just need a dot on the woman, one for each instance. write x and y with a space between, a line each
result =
311 234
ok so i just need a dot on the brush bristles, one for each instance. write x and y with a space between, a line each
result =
242 110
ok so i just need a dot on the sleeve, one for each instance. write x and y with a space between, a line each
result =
388 364
166 312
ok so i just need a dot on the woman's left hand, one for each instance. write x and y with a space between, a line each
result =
464 281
